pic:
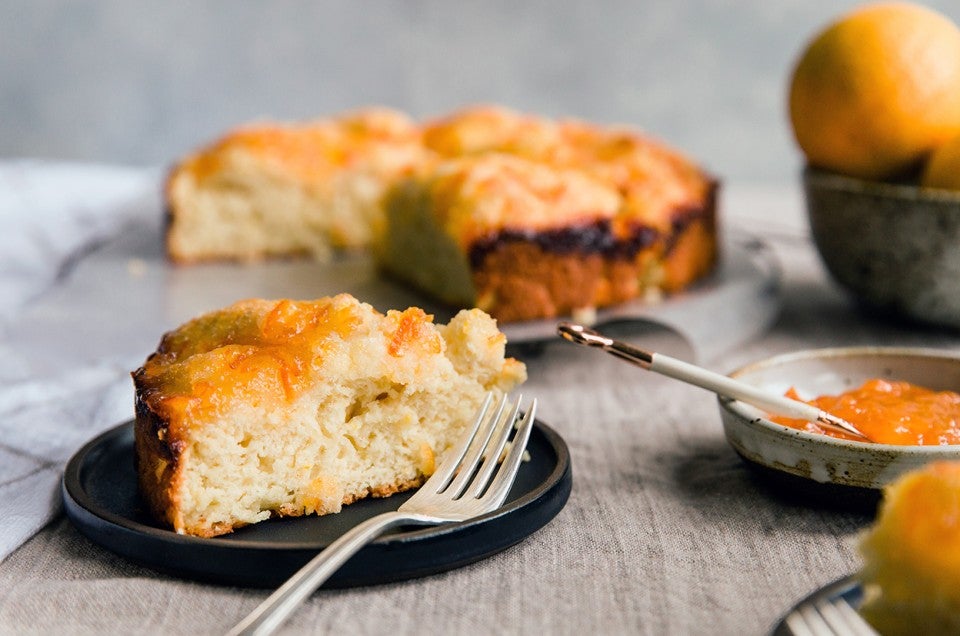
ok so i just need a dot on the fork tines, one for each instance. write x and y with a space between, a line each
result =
470 470
829 617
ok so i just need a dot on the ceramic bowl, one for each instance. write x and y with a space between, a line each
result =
820 458
895 247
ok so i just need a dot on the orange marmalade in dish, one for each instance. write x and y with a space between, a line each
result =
889 412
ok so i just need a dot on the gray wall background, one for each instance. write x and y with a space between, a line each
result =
141 83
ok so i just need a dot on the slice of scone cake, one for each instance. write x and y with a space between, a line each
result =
289 408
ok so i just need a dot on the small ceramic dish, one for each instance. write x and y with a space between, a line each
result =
822 459
894 247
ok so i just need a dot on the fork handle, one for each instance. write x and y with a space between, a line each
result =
275 609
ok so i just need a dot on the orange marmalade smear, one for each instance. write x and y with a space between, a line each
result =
253 347
890 412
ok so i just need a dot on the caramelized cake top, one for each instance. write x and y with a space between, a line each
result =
375 139
274 350
654 182
478 197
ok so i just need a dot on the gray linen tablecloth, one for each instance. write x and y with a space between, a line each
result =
666 530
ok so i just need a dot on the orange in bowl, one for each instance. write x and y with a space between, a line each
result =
875 92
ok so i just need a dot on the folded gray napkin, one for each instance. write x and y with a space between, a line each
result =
50 215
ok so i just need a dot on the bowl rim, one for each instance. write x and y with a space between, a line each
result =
736 407
856 185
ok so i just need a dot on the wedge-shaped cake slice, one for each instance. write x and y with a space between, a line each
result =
299 407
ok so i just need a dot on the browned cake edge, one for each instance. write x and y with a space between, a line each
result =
536 276
156 460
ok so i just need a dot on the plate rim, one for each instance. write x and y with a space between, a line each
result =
94 522
748 255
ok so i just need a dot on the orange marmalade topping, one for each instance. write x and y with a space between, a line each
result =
314 150
412 328
252 347
890 412
603 172
265 351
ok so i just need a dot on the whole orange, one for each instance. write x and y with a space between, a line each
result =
877 90
943 168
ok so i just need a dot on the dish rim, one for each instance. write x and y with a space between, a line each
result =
740 409
912 192
71 486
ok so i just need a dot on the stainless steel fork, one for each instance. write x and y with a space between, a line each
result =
470 482
828 617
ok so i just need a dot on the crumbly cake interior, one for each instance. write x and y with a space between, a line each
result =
288 189
292 408
911 572
418 250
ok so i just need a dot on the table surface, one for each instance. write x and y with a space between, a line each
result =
666 530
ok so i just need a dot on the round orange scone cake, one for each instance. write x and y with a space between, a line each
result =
299 407
520 215
911 572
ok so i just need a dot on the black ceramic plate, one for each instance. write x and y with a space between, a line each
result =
100 497
847 588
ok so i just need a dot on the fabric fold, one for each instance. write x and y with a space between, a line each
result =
50 215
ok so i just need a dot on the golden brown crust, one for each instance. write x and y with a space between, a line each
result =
388 490
377 492
156 461
692 254
524 280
